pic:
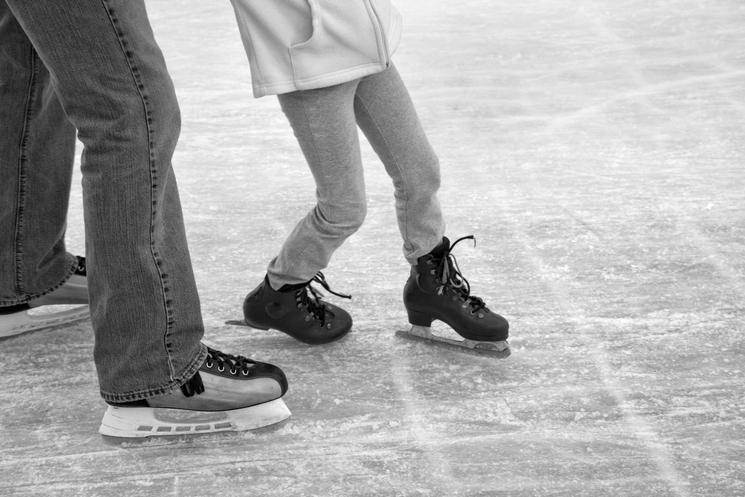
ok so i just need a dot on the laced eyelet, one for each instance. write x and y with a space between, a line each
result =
245 372
233 371
221 368
208 364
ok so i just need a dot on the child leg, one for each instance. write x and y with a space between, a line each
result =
436 289
324 123
386 115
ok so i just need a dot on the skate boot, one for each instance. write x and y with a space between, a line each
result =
228 393
436 289
297 310
43 313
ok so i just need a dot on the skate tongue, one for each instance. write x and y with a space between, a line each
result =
442 249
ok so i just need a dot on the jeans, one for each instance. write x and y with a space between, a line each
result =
325 123
93 66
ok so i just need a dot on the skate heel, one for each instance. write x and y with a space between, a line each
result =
420 318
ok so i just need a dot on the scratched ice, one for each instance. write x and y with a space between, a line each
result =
596 150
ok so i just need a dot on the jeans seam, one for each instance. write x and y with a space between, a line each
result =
153 178
21 170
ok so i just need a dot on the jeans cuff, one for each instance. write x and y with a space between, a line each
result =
190 370
28 298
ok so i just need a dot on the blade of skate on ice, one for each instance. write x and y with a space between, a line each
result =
41 318
500 349
141 422
237 322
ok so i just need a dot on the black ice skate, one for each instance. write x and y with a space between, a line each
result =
228 393
436 289
297 310
46 312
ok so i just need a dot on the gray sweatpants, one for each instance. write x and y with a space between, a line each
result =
325 124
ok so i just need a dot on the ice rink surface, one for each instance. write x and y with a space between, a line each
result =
596 150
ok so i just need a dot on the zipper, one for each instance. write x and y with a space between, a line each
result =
382 40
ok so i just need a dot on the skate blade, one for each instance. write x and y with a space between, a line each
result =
141 422
500 349
246 324
33 320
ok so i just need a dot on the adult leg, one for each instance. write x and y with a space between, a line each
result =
387 116
37 149
111 79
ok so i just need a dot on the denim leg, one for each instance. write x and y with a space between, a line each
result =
37 153
386 115
111 79
323 122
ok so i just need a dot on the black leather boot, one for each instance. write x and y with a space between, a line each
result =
436 289
297 310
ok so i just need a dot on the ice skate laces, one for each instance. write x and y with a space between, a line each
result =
233 364
449 276
311 298
80 268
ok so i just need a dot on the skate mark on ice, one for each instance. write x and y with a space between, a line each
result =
442 474
712 255
658 451
638 94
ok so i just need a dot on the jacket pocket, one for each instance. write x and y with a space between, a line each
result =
315 29
345 39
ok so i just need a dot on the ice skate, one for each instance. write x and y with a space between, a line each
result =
436 290
228 393
66 305
297 310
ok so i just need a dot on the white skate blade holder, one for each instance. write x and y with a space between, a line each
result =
141 422
66 305
41 318
499 349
